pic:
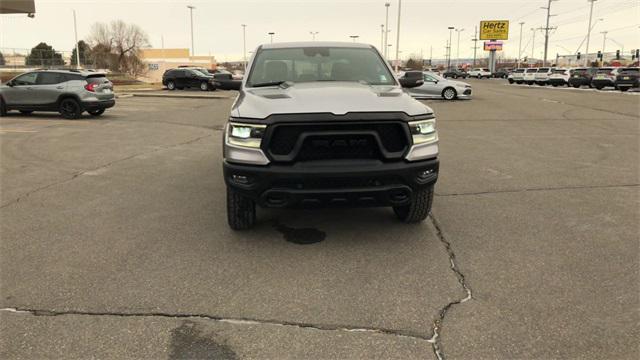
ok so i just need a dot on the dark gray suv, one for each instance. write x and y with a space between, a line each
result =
68 92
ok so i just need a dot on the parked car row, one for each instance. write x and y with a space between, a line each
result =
619 78
199 78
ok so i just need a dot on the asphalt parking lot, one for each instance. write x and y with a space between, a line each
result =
115 242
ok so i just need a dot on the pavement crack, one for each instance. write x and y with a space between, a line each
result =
103 166
438 323
229 320
575 187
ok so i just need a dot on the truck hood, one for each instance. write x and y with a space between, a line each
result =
337 98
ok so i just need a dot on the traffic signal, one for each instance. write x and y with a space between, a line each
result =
617 54
579 56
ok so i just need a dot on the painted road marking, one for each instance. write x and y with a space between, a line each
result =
4 131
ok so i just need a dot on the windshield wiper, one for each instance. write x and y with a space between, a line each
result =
269 83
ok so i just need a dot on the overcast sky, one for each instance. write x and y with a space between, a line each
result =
423 24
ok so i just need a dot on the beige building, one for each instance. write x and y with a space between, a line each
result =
160 60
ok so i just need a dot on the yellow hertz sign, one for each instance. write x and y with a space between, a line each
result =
494 30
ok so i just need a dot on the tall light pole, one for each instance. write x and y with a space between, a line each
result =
381 37
354 37
604 42
449 47
398 36
586 55
533 42
191 7
458 48
386 31
271 33
475 44
244 46
313 34
520 45
75 31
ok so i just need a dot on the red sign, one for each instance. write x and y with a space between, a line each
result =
493 46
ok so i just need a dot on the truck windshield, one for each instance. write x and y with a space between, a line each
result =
310 64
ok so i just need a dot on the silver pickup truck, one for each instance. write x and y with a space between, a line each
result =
327 124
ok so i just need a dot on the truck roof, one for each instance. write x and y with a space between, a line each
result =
300 44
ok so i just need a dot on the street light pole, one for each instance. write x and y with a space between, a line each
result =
475 45
520 45
586 55
271 34
458 48
386 31
244 46
398 36
354 37
604 43
533 43
313 35
75 31
381 37
191 7
449 48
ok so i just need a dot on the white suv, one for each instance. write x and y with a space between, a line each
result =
542 76
480 73
530 76
559 77
517 76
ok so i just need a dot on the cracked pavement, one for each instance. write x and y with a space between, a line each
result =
114 241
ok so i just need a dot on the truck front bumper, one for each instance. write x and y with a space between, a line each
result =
335 183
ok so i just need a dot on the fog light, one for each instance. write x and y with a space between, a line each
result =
240 179
425 174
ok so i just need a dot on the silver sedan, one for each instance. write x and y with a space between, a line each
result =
435 86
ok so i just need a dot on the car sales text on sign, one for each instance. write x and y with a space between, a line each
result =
494 30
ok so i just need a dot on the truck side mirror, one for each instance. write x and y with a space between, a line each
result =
411 82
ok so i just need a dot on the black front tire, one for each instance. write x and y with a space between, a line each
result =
26 112
418 209
96 112
241 211
204 86
449 93
624 88
70 109
510 81
3 107
171 85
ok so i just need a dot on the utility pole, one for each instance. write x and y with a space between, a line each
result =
386 32
398 36
75 31
244 47
586 55
546 32
449 47
520 45
191 7
475 45
458 48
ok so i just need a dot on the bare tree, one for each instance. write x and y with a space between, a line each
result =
118 45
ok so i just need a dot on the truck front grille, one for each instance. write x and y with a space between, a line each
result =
362 140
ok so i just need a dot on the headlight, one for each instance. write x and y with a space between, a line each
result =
245 135
423 131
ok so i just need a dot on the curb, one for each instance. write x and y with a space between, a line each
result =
125 95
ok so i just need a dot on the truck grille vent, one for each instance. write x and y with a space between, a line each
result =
384 140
